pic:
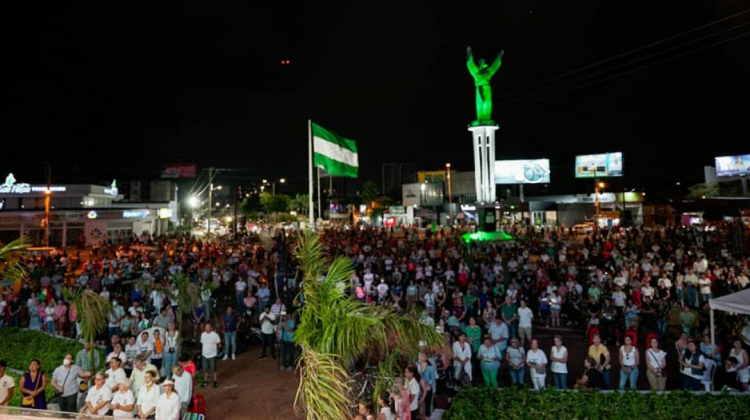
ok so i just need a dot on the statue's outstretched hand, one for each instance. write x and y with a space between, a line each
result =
468 51
502 53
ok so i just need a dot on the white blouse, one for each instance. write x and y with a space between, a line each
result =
559 367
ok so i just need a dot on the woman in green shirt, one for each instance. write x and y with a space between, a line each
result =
473 335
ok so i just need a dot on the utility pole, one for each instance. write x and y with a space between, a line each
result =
210 196
450 193
237 196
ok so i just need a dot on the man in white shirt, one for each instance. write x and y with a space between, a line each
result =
211 342
7 385
145 346
183 386
239 289
525 315
268 328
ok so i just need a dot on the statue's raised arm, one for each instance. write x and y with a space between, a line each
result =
497 63
470 63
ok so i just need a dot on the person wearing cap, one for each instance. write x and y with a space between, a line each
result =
168 407
123 401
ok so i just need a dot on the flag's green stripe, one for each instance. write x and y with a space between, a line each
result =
335 168
345 143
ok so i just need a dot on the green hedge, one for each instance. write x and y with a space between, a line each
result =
483 403
18 347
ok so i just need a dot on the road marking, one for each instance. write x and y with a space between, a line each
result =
230 387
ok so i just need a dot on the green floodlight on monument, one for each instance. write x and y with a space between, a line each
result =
482 73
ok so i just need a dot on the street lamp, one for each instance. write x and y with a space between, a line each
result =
450 193
193 201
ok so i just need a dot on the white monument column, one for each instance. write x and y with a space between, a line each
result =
483 141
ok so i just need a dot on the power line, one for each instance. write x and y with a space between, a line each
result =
637 60
633 51
634 70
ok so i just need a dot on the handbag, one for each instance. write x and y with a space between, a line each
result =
59 394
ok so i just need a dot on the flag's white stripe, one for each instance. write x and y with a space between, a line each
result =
335 152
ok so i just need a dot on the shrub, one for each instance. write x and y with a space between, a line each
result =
18 347
490 404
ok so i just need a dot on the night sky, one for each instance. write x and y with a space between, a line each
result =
114 91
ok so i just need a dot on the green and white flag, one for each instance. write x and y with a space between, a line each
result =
334 154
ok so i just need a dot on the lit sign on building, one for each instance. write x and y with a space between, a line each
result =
11 187
165 213
93 215
524 171
135 214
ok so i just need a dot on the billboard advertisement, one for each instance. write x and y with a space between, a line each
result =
599 166
178 170
733 165
524 171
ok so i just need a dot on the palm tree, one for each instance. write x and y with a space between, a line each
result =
336 329
11 266
91 312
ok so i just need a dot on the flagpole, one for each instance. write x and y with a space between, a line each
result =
319 207
330 195
310 174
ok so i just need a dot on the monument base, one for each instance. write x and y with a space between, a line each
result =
478 123
486 218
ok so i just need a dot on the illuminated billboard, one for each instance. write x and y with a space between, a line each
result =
523 171
599 166
733 165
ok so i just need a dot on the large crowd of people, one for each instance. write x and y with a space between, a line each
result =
493 301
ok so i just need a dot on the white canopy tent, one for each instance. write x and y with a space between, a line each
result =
736 303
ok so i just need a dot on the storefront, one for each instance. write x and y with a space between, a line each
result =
78 214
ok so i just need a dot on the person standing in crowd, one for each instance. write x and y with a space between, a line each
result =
629 363
33 384
536 360
412 380
183 386
231 322
210 342
148 396
7 385
600 354
516 357
115 374
123 401
158 350
138 376
462 358
525 318
168 405
98 398
65 380
559 367
490 362
742 367
172 347
89 365
692 363
268 330
428 372
287 341
656 363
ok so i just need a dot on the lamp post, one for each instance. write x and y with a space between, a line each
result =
273 184
450 193
599 186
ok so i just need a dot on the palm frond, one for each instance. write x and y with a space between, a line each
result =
335 329
11 260
323 391
91 312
